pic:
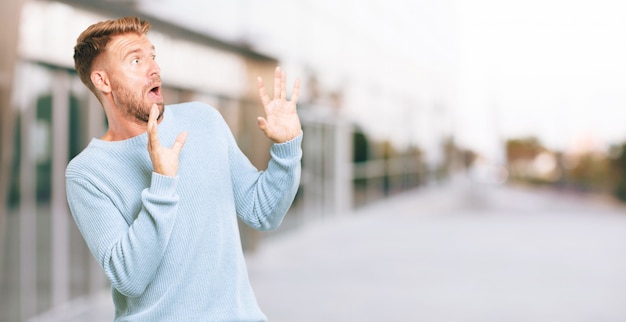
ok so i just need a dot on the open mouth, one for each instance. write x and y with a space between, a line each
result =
155 93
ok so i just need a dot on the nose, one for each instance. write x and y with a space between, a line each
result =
154 68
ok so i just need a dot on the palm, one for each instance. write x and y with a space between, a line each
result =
164 160
281 122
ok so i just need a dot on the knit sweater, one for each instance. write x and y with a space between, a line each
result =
170 246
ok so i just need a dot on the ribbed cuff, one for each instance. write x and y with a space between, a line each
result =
289 149
163 185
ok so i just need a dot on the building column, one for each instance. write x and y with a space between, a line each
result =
9 15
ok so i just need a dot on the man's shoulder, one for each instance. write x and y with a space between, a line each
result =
101 156
83 162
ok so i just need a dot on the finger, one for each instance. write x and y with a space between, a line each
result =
262 123
153 135
277 82
283 85
179 143
262 94
296 91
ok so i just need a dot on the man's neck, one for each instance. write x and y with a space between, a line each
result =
121 128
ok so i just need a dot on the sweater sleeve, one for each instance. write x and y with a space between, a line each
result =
262 198
128 254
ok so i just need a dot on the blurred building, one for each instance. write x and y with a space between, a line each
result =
47 116
51 116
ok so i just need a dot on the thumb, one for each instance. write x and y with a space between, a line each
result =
262 123
179 143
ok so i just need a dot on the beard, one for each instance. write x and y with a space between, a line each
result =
133 106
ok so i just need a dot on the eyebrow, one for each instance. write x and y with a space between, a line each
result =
137 50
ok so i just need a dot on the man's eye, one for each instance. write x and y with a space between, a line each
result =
135 61
153 57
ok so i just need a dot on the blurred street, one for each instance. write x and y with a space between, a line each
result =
458 253
454 252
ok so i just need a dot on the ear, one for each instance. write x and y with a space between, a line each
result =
100 80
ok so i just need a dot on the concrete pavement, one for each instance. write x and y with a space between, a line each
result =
463 253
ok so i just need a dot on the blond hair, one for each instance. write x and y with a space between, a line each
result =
93 41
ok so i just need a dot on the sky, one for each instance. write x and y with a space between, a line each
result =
553 69
480 70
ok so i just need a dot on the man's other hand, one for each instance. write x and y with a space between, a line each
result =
281 122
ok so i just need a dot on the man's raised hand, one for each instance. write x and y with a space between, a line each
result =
164 160
281 122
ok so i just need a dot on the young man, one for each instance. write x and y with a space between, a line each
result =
162 221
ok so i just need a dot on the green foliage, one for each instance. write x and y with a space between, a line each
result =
590 171
618 167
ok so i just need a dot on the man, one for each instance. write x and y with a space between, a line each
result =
162 221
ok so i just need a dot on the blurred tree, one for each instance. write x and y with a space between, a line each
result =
618 169
361 148
591 172
520 153
523 149
588 172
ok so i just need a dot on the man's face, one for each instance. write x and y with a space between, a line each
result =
134 75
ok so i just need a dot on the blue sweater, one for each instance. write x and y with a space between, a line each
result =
170 245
